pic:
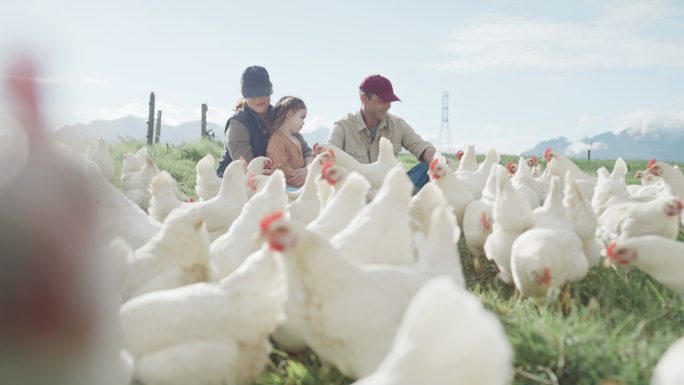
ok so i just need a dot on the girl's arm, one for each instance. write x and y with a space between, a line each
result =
278 154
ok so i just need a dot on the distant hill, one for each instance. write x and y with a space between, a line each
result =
133 127
319 135
663 143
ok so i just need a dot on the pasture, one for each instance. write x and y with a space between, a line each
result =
613 330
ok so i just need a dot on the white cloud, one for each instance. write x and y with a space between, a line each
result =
617 39
650 121
580 148
85 80
588 125
68 80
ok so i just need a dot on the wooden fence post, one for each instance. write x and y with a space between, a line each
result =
157 130
204 132
150 120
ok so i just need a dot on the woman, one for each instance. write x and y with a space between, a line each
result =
248 130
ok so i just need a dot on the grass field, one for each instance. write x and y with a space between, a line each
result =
616 327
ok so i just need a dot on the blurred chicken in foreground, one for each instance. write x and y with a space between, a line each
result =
57 302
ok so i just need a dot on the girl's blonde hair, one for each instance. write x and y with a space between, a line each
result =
285 105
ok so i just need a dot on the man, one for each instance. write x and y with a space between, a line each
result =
359 133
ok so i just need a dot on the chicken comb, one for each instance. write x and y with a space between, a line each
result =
326 167
250 182
433 164
484 223
543 279
510 167
20 82
267 220
244 163
459 154
547 154
651 163
610 250
679 203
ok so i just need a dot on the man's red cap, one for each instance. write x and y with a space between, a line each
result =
381 86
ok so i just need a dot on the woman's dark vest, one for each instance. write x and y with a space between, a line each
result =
258 135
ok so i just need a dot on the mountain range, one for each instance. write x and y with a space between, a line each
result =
665 144
133 127
662 142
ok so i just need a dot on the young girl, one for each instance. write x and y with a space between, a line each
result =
283 148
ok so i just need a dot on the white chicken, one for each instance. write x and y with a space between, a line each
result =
512 216
306 207
659 216
162 200
669 370
254 184
134 183
474 181
550 254
453 190
446 337
468 160
349 311
648 191
334 175
117 215
670 175
580 212
103 159
137 173
422 205
439 254
218 212
176 256
608 192
324 191
523 181
208 333
207 183
452 163
230 250
375 172
661 258
478 220
342 208
385 218
59 292
585 182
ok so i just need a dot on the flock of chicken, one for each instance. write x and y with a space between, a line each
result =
352 265
359 270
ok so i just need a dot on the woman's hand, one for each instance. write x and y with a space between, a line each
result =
296 179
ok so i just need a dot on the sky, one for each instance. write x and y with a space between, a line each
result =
517 72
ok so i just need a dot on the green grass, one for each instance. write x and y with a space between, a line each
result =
179 161
615 327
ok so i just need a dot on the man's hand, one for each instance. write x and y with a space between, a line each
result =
428 154
297 178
